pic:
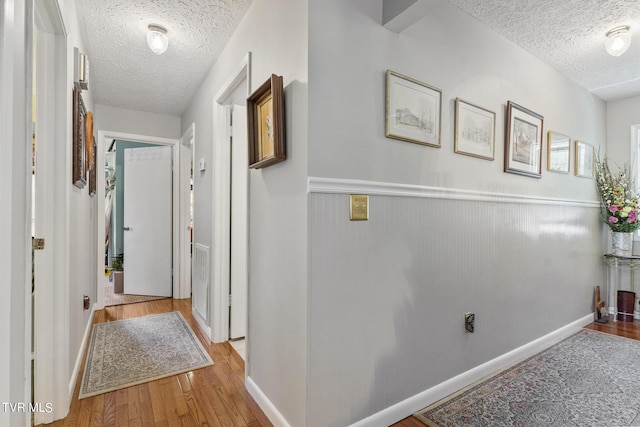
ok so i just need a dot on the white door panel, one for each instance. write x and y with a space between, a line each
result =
148 221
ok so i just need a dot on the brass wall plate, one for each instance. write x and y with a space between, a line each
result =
359 207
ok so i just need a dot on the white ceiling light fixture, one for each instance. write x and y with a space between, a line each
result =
157 39
618 40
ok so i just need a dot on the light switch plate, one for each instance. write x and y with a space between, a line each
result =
359 207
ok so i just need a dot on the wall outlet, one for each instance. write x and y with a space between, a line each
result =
469 322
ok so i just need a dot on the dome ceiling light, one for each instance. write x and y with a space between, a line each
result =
157 39
618 40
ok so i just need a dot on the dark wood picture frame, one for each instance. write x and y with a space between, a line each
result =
79 151
92 170
523 141
265 123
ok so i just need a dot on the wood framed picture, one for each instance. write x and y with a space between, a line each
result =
412 110
475 131
79 151
265 121
523 141
558 152
93 170
584 159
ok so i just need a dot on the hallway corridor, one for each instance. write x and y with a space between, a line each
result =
211 396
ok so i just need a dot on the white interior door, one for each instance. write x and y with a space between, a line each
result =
239 226
148 221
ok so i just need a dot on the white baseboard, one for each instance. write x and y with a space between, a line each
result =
421 400
83 346
265 404
201 322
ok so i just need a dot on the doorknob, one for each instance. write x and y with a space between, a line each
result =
126 228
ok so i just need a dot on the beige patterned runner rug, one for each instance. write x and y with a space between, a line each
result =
588 379
134 351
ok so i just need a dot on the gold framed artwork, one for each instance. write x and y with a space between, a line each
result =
523 141
584 159
475 131
412 110
558 152
79 147
265 121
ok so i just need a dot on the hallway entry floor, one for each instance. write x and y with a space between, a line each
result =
211 396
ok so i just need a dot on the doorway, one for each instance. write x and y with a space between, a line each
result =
230 288
105 138
138 216
50 187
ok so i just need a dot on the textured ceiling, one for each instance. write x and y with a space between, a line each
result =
569 35
123 70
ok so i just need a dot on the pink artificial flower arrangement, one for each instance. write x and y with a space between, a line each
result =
618 196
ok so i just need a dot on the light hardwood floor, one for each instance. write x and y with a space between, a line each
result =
211 396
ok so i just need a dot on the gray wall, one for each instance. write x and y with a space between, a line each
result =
275 32
387 296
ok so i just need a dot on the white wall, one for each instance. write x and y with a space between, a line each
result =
14 228
82 212
275 32
124 120
621 115
387 297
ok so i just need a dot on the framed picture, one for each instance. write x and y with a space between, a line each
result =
413 110
558 152
523 141
584 159
79 151
92 170
475 131
265 121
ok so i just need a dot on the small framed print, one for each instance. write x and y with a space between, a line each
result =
475 131
584 159
265 121
523 141
558 152
412 110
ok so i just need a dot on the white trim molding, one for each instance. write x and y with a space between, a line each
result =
354 186
421 400
265 404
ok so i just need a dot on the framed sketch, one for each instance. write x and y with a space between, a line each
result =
413 110
558 152
265 121
79 154
475 131
584 159
523 141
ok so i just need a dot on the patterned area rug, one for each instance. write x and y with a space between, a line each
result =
134 351
588 379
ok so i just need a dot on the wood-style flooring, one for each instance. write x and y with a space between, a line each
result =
211 396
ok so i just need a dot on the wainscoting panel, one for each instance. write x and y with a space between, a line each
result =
200 289
387 296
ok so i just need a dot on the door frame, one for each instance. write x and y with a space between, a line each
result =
53 382
180 290
219 306
186 148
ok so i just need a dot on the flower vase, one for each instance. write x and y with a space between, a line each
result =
622 244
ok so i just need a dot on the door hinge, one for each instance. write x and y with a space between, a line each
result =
37 244
229 300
